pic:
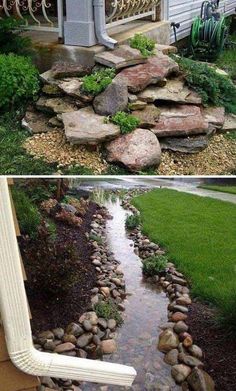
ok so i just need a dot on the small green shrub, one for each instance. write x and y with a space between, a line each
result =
214 89
27 213
126 122
154 265
132 221
11 40
144 44
19 82
98 81
96 238
108 310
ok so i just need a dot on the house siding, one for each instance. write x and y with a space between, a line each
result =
183 12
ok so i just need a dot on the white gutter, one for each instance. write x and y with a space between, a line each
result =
15 318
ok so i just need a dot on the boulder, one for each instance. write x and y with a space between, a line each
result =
175 90
168 340
122 57
215 116
86 127
180 372
55 105
63 69
113 99
137 150
199 380
180 120
148 117
35 122
191 144
230 123
155 71
108 346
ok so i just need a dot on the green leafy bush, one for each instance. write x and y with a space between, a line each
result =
98 81
132 221
108 310
19 82
126 122
11 40
144 44
214 89
154 265
27 213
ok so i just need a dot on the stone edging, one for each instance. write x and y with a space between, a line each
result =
175 341
90 336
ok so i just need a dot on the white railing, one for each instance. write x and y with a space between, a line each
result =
35 14
124 11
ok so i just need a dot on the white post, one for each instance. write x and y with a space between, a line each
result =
79 25
165 6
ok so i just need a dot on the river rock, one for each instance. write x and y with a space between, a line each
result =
168 340
177 316
180 308
64 347
199 380
108 346
74 329
105 290
193 144
62 70
55 105
183 300
171 357
122 57
111 324
195 351
175 90
91 316
180 120
215 116
189 360
155 71
58 333
113 99
180 327
137 150
87 325
46 335
84 340
85 127
180 372
148 117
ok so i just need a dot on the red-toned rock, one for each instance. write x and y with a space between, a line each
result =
177 316
154 71
180 120
137 150
215 116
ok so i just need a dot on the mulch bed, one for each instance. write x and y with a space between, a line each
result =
49 311
218 346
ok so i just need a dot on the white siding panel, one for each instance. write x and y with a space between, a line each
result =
184 11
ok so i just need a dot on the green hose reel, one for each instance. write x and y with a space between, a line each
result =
208 33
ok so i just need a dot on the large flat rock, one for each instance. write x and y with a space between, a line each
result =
137 150
192 144
122 57
230 123
72 87
175 90
155 71
215 116
85 127
56 105
180 120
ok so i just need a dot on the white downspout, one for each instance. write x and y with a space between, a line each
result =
100 25
15 318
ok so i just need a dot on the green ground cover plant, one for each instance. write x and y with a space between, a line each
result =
214 89
108 310
199 236
227 59
19 83
154 265
11 39
98 81
126 122
144 44
132 221
222 188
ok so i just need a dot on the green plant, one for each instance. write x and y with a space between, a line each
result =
11 40
108 310
214 88
125 121
132 221
144 44
52 229
27 213
98 81
95 238
154 265
19 82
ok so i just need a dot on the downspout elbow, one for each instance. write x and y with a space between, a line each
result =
100 25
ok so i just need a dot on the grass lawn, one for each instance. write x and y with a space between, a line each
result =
222 188
227 59
199 235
